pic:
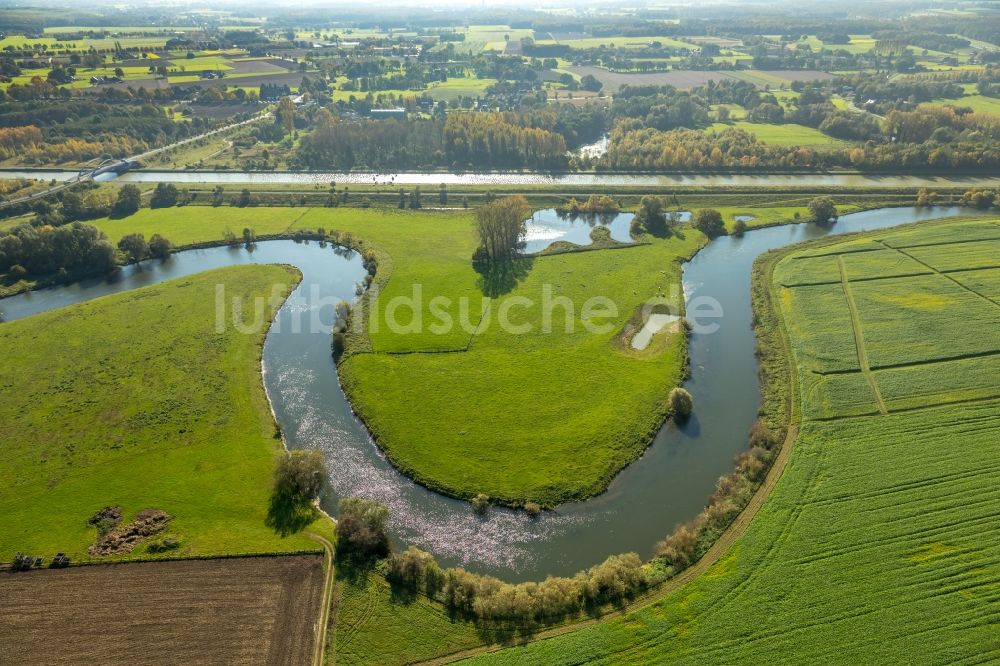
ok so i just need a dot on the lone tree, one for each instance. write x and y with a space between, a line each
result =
501 225
681 403
651 217
299 476
361 531
822 210
128 201
134 246
709 222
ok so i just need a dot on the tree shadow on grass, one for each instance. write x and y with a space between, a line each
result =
287 515
497 278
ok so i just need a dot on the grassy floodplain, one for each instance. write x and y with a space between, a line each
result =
422 393
134 400
879 542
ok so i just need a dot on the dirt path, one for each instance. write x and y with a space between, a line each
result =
323 622
859 338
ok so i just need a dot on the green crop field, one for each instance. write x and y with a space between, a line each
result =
879 542
134 400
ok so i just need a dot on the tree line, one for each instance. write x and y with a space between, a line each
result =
462 140
489 601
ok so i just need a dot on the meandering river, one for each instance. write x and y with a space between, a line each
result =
668 485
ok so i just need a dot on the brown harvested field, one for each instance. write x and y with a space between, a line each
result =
254 610
683 79
686 79
800 74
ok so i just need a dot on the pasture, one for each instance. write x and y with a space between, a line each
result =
879 541
134 401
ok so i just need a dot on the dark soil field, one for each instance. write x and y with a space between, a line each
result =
256 610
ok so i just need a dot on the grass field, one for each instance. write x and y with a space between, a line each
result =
446 91
374 626
978 103
787 134
879 542
133 400
259 610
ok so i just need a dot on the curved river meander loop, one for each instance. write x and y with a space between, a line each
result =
669 484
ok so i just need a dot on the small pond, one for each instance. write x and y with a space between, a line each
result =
548 226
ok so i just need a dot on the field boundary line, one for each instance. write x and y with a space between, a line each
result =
944 242
859 339
826 283
944 274
912 364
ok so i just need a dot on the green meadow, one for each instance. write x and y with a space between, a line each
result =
134 400
786 134
879 542
570 407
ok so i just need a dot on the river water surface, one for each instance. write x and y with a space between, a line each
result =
668 485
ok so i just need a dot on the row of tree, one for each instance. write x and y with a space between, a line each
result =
478 140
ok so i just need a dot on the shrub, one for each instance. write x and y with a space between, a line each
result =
709 222
532 508
762 436
679 549
164 196
361 531
24 562
681 403
739 228
480 503
134 246
159 246
338 344
409 568
822 210
60 561
600 234
17 271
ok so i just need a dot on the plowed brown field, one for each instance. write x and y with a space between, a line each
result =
257 610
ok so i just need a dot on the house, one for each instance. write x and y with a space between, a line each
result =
385 114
